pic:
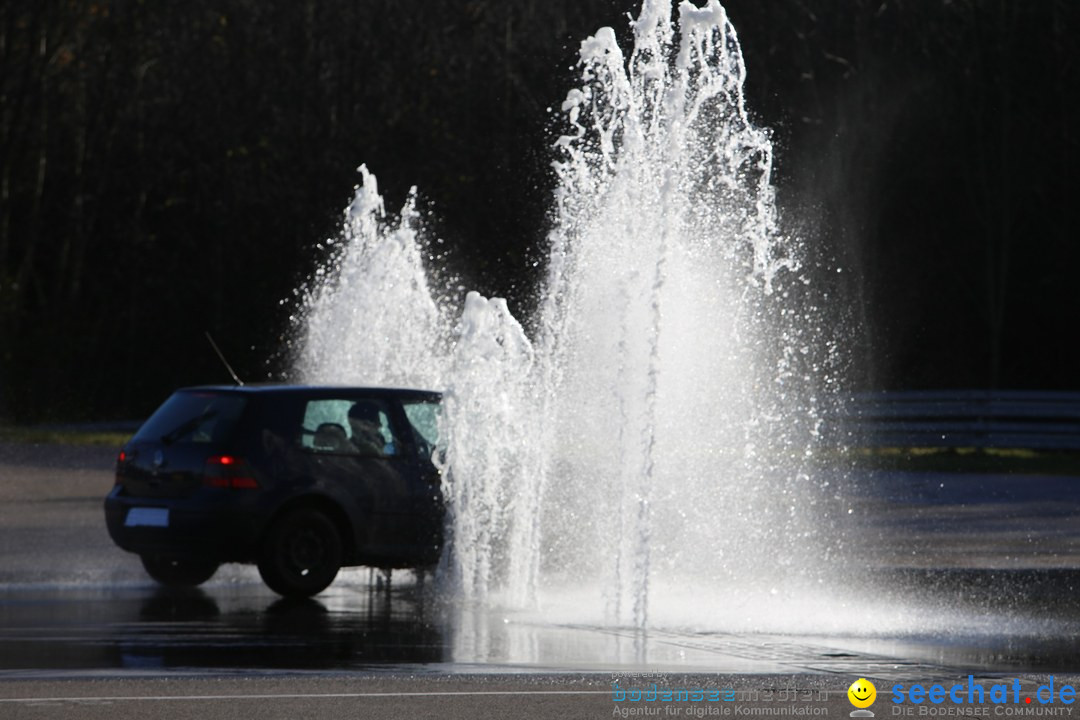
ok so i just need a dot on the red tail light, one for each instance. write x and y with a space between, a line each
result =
228 471
119 461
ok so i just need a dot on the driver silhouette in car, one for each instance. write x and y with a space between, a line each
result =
366 426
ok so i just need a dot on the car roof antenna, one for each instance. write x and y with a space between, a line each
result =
224 362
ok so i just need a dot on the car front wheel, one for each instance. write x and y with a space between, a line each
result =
177 572
301 554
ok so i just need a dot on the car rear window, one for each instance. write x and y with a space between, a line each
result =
193 417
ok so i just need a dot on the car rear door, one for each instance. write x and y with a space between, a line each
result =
369 463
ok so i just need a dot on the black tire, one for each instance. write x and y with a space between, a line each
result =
301 554
178 572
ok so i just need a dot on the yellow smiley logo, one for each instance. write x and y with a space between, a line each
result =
862 693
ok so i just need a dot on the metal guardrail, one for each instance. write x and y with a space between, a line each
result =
1000 419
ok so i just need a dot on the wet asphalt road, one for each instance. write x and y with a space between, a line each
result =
79 620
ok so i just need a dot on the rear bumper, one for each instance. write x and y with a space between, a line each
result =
224 532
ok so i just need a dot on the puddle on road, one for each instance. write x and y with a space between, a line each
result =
357 627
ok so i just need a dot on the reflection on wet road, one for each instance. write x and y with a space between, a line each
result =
149 628
238 625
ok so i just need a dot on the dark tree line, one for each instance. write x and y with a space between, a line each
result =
168 168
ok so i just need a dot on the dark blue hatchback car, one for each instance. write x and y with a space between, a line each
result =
299 480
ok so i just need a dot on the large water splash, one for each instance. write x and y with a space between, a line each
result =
682 422
656 434
370 314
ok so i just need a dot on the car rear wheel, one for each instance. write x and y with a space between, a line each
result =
178 572
301 554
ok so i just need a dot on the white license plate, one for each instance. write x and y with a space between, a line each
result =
147 517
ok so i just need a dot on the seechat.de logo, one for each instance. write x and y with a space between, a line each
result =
1006 698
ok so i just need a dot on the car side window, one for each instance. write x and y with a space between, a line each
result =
423 418
348 427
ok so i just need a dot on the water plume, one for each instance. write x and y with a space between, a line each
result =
369 315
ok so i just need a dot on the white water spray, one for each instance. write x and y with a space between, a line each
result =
370 315
681 421
655 435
